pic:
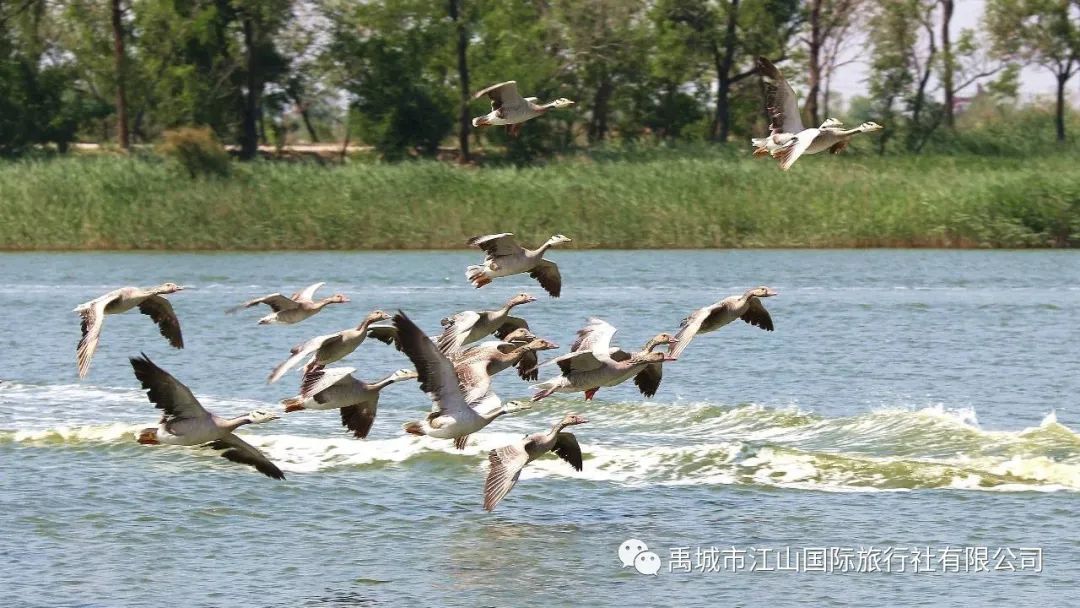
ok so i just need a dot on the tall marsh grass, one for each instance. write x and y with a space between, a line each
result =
619 200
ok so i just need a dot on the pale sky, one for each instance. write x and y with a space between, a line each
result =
1035 81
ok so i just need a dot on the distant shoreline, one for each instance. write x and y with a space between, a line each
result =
684 199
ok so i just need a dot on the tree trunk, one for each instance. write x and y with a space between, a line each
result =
120 62
721 126
814 82
947 63
463 80
249 134
598 126
348 129
826 95
262 128
1059 115
305 115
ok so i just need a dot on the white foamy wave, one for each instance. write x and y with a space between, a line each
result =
890 449
110 433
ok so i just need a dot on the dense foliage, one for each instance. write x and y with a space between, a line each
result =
396 75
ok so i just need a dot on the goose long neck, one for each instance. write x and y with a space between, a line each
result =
556 429
495 414
510 357
543 248
381 384
363 326
234 423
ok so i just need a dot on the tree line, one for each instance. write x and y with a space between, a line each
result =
399 75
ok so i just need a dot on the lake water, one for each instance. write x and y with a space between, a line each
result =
922 403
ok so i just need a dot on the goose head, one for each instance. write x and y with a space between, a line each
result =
261 416
561 102
541 344
870 127
521 298
519 335
573 420
377 315
337 298
404 374
661 339
831 123
168 288
514 406
649 358
761 292
558 239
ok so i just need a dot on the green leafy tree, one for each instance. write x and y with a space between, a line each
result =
727 35
607 42
1040 32
210 61
392 62
39 100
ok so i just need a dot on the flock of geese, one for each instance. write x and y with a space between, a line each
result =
454 368
787 140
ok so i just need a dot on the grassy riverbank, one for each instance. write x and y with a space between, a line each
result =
685 198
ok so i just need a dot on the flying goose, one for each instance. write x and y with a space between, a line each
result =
470 326
589 370
526 365
789 138
293 309
777 138
507 462
336 388
148 300
747 307
646 379
327 349
509 108
184 421
452 416
475 369
504 257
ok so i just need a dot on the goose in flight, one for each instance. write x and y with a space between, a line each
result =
475 367
184 421
509 108
336 389
593 363
648 378
453 415
586 372
327 349
470 326
504 257
527 361
788 139
150 303
507 462
747 307
293 309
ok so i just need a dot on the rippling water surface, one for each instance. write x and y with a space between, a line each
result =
906 399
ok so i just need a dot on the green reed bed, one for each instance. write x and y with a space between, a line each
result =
700 199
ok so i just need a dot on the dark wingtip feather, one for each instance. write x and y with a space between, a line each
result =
142 365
